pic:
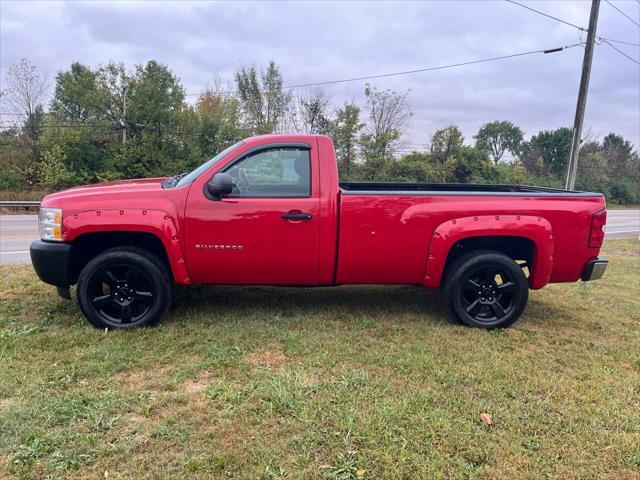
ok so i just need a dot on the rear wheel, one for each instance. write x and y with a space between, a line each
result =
485 289
124 288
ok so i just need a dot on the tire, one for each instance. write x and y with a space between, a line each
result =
485 289
124 287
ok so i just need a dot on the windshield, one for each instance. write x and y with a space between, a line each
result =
190 177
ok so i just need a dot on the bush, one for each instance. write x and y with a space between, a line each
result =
471 165
12 179
53 172
624 192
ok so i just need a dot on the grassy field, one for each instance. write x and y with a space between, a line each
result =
354 382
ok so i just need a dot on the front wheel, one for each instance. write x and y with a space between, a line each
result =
485 289
124 288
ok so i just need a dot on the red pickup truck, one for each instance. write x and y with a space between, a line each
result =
269 211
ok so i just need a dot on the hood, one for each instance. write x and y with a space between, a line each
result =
115 183
120 189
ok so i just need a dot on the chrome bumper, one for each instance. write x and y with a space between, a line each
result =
595 269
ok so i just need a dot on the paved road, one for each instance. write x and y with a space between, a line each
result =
18 231
623 223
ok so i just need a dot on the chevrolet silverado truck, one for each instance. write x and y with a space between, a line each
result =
270 210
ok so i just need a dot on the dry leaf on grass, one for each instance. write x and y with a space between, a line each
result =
486 418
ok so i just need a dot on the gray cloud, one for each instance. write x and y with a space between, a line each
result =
316 41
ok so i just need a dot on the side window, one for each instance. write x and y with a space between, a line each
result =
276 172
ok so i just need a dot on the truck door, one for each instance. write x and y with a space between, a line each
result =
266 232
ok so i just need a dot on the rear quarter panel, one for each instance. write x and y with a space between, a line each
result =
386 238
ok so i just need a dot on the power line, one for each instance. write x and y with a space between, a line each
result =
572 24
624 14
429 69
547 15
622 53
619 41
419 70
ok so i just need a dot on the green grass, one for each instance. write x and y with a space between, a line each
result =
324 383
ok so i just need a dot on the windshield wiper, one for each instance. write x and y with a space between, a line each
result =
173 181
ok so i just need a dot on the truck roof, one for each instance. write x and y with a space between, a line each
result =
283 137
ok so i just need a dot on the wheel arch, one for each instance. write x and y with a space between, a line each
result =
91 233
512 235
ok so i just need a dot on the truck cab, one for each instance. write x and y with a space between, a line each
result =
275 225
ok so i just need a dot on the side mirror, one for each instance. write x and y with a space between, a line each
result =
220 185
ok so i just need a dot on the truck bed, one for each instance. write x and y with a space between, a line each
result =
391 188
386 229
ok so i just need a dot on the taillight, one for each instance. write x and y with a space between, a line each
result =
596 233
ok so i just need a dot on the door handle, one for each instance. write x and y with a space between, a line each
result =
297 216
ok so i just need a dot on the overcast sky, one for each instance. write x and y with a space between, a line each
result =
318 41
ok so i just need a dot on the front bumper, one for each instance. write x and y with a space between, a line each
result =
51 262
595 269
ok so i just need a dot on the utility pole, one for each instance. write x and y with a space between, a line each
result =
572 168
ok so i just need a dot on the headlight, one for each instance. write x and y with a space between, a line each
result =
50 223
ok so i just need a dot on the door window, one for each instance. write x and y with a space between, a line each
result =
276 172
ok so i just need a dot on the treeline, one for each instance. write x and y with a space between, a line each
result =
107 123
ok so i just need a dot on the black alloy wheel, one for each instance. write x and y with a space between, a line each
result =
486 289
488 294
121 293
124 288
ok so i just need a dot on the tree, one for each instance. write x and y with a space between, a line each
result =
446 143
345 130
611 167
619 156
592 166
152 120
470 165
14 160
388 116
75 95
497 137
112 89
129 122
312 112
547 152
91 100
155 98
264 103
33 124
82 151
217 119
53 172
26 92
